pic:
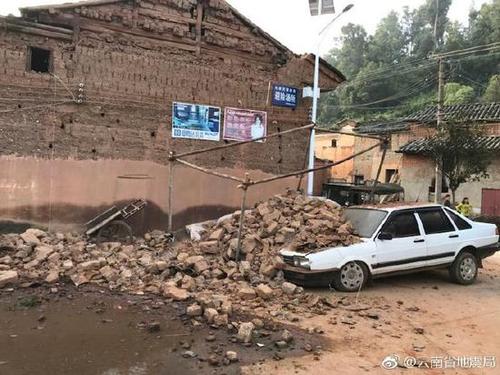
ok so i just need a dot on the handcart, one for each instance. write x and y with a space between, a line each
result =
111 226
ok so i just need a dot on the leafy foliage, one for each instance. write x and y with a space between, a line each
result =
455 93
458 151
492 93
390 75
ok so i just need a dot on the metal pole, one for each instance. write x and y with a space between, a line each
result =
316 92
439 174
171 161
244 186
312 145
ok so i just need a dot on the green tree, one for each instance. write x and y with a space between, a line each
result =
485 24
389 74
460 154
492 93
456 37
423 27
388 44
351 56
455 93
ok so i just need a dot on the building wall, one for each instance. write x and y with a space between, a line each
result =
67 193
416 172
129 61
343 149
367 164
419 171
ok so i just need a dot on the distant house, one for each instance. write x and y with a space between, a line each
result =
405 161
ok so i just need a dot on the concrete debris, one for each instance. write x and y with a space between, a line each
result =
8 277
232 356
291 220
245 332
204 273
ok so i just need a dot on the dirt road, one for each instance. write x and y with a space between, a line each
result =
90 331
421 315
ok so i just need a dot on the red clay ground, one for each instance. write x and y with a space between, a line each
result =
421 315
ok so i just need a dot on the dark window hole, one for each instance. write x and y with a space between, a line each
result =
40 60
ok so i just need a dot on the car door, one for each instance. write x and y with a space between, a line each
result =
441 236
406 248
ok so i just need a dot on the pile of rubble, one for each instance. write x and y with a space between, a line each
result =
203 273
290 221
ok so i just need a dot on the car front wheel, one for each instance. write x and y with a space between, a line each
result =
351 277
464 269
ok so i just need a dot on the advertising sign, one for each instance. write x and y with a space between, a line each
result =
285 96
195 121
244 124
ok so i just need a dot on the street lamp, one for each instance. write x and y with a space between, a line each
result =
310 177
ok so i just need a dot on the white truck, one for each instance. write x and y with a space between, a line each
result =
394 240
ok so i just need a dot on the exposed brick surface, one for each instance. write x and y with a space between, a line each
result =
133 59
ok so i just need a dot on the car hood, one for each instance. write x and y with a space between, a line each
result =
342 250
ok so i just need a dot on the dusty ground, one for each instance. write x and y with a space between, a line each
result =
456 321
91 331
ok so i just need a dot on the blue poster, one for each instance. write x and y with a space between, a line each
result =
285 96
195 121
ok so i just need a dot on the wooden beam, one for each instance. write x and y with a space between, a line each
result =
42 26
236 144
96 27
39 32
305 171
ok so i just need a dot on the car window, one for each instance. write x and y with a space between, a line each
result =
365 221
402 225
435 221
459 222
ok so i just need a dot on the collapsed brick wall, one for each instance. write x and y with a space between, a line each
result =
131 60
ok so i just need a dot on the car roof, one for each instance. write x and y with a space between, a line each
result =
397 206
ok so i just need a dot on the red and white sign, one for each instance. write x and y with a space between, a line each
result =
244 124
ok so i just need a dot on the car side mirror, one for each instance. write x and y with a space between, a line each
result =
384 236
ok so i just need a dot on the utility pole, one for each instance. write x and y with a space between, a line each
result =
316 93
439 122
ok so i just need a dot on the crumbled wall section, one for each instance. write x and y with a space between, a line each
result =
127 62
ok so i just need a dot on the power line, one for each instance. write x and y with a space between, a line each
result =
412 90
466 50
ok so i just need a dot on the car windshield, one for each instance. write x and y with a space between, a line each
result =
365 221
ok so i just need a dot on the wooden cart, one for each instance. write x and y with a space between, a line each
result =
111 226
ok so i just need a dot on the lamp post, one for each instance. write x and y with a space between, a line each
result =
316 90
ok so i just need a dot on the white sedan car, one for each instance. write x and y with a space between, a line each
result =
397 240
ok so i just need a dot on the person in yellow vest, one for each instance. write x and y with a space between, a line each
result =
465 208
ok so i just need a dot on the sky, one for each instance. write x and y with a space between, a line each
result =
289 21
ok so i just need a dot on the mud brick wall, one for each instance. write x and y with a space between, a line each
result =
134 59
107 104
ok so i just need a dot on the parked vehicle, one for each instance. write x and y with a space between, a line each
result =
395 240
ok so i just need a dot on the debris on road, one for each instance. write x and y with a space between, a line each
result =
203 273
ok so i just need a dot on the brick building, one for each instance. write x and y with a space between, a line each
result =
405 161
86 92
